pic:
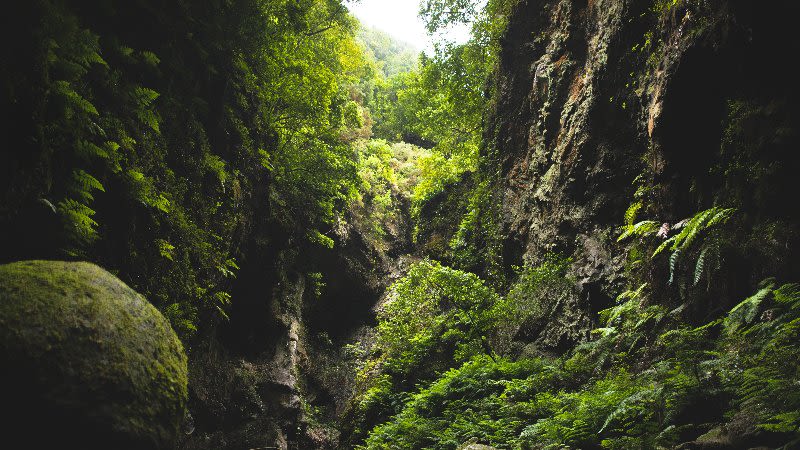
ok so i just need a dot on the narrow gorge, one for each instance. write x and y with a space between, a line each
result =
262 224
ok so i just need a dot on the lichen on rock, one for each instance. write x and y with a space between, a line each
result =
87 362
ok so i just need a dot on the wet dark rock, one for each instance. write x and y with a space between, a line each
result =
592 94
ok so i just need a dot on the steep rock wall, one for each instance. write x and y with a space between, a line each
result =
277 374
593 95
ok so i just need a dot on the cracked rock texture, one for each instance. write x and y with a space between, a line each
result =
591 94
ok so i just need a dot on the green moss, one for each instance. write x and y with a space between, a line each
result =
84 345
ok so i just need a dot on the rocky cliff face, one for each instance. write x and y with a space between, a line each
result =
277 374
596 98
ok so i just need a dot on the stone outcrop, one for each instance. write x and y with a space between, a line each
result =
597 98
277 375
87 362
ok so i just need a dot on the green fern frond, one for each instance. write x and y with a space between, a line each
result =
699 267
112 150
609 315
145 96
756 382
642 228
88 49
720 216
631 212
149 118
95 58
149 58
746 311
136 176
788 422
690 232
673 264
692 228
161 203
88 151
81 228
632 407
165 249
86 181
788 295
74 99
112 146
631 294
664 245
579 432
78 210
125 50
222 301
701 222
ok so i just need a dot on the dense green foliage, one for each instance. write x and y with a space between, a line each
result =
389 175
646 380
391 56
441 104
157 147
437 318
159 150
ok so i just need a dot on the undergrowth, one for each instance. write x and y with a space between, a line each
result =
440 373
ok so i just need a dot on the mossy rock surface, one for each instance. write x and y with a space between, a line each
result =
86 361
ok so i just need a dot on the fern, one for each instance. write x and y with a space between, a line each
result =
694 226
112 156
579 432
222 301
160 202
82 186
783 423
147 193
86 181
755 382
229 268
149 118
165 249
691 229
631 212
763 356
74 99
701 264
673 263
640 229
144 98
149 58
88 151
745 312
181 318
630 295
82 229
788 295
630 409
315 237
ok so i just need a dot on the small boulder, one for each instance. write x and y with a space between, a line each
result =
473 444
86 361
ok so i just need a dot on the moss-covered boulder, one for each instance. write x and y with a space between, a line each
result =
85 361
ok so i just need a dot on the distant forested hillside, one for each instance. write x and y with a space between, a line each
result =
391 55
